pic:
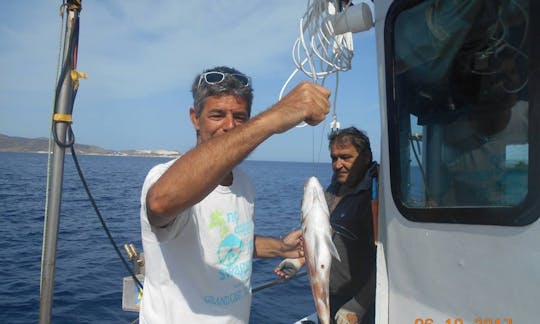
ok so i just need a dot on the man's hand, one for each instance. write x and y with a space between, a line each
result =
288 268
306 102
292 245
350 313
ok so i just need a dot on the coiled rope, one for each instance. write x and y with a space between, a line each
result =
318 52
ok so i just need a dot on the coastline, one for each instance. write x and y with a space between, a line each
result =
41 145
152 154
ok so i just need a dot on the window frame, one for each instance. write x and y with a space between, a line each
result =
528 211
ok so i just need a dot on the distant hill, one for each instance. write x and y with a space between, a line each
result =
41 145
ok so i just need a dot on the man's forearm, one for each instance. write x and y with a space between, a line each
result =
267 247
195 174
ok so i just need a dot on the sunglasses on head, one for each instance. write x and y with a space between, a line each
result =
215 77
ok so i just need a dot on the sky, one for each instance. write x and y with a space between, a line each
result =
141 58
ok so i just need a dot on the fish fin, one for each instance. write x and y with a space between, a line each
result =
332 248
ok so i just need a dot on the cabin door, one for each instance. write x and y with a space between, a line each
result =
460 200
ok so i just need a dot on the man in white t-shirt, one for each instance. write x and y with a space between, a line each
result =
197 210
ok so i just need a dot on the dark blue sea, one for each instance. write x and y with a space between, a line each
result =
88 281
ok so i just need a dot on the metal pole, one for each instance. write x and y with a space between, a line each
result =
63 106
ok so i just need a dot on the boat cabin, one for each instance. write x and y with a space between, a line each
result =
459 236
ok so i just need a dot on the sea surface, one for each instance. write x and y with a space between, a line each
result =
88 280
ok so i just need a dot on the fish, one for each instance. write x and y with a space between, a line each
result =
318 245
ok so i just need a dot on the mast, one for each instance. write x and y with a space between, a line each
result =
66 90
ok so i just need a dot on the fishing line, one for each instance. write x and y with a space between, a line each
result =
334 124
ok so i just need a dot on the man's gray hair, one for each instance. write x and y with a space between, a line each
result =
358 139
231 85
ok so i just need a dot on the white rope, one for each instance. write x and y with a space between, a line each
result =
317 44
318 52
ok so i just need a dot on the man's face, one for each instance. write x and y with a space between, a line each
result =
347 162
218 116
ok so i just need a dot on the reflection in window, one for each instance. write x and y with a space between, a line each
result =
461 91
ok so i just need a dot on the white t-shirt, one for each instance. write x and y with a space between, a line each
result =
198 268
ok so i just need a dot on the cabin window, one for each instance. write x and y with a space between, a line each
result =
461 110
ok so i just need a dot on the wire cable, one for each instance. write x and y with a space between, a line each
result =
102 221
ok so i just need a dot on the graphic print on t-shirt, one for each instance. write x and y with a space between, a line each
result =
236 239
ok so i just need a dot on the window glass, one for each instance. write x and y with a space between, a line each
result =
459 115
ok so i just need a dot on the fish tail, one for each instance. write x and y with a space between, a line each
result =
322 304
